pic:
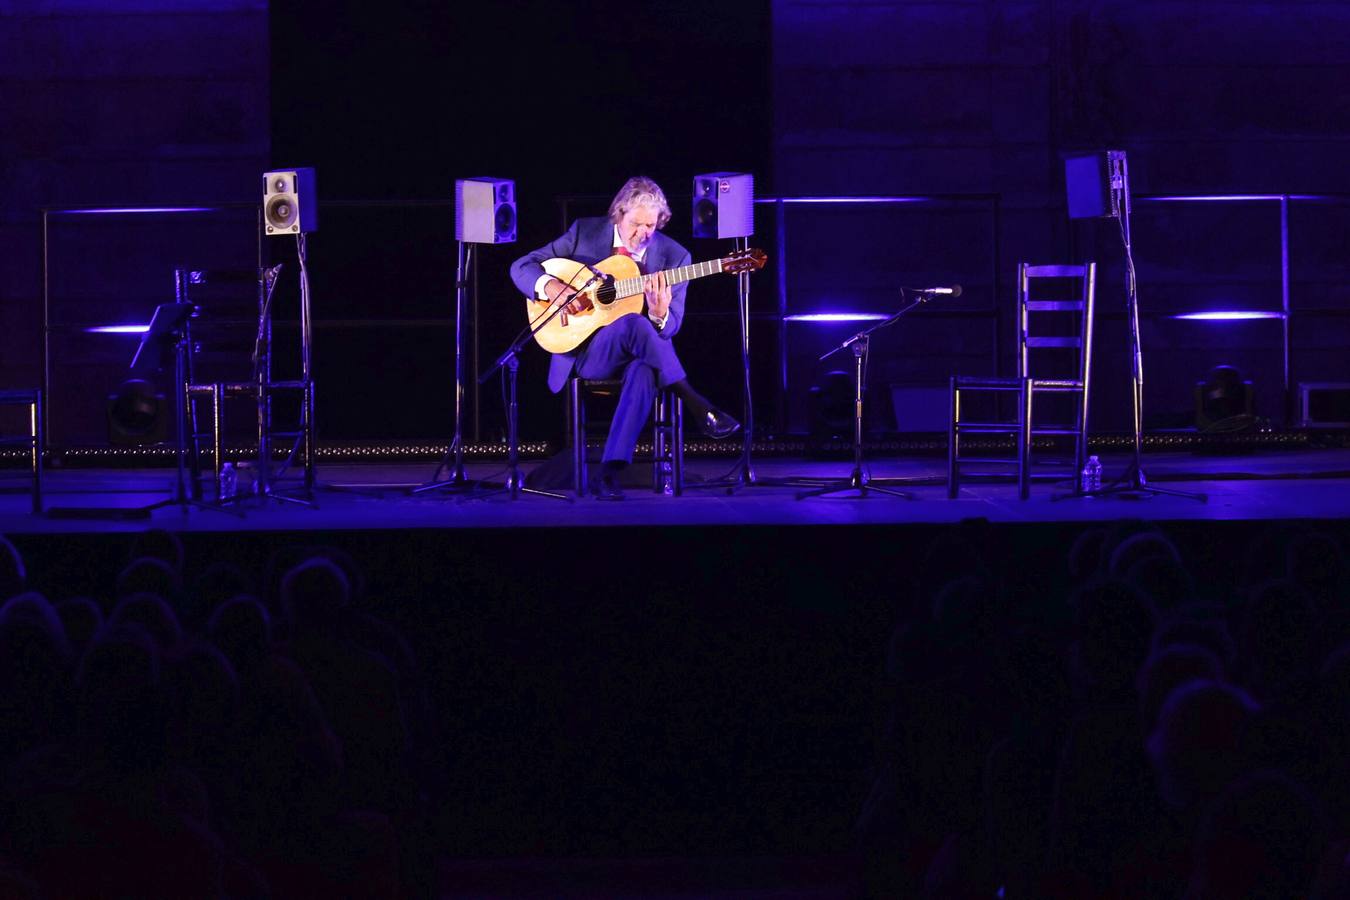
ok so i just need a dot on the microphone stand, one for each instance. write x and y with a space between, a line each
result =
509 361
262 383
859 480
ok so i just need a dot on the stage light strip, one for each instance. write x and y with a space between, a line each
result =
1210 198
117 329
1229 316
133 210
836 317
874 199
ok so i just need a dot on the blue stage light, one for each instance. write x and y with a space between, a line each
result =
1235 315
836 317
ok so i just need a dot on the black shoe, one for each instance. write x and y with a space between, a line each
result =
608 487
718 425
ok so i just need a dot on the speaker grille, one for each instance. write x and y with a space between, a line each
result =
280 211
506 223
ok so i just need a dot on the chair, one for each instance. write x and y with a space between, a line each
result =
32 440
667 434
261 387
216 393
1054 356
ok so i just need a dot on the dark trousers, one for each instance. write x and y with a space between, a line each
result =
631 346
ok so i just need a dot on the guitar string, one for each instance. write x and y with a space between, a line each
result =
629 287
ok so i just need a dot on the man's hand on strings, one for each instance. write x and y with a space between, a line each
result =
556 288
658 294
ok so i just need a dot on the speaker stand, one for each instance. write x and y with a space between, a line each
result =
453 460
742 473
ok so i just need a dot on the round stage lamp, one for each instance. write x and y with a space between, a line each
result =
1223 401
137 414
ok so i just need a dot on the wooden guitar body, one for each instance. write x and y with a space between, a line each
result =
566 331
610 290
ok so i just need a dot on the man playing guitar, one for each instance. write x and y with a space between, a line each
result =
635 347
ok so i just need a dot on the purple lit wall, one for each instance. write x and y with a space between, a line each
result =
1215 98
117 103
969 104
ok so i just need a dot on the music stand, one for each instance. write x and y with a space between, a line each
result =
169 329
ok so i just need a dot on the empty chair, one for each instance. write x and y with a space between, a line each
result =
1054 357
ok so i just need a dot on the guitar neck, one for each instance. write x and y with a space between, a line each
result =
627 287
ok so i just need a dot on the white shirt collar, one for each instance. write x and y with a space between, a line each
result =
618 242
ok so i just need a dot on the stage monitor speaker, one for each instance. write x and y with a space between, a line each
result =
485 210
138 414
290 202
1095 183
1324 404
724 205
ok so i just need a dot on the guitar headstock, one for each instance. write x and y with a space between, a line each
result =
749 260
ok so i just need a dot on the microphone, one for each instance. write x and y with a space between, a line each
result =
272 273
953 291
601 280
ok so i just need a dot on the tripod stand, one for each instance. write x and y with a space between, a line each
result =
742 474
509 361
454 454
1131 485
859 480
514 485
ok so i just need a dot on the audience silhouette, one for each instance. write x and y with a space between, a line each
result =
1144 731
1106 723
196 740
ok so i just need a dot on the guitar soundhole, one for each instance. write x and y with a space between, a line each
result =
605 294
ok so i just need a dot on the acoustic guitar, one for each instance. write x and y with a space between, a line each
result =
610 290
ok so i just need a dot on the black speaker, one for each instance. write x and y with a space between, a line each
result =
485 210
290 202
724 205
137 414
1095 184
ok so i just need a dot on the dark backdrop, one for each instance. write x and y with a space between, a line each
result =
393 102
185 102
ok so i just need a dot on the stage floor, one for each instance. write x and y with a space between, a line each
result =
1264 484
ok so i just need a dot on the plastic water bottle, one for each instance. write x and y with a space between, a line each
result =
1092 475
228 481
